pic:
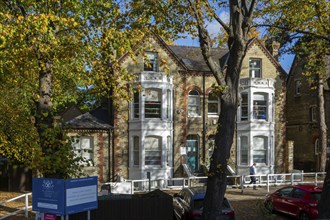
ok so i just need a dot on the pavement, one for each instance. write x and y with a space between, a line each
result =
236 194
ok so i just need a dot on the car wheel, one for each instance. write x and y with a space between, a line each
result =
269 206
303 216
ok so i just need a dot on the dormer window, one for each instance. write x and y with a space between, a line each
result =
150 62
255 68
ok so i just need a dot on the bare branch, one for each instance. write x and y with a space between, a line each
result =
205 44
217 18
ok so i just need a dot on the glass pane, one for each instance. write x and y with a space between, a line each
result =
192 100
152 151
244 107
259 143
244 150
244 157
213 108
136 158
259 158
259 106
136 143
152 143
136 105
193 92
85 143
150 62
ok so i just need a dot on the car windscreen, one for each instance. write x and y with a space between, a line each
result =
316 196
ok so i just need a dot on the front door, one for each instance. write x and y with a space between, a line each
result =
192 152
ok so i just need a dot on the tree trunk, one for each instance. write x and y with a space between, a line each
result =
216 183
323 126
44 118
323 206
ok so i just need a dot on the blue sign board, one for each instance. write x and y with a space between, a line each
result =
64 197
48 195
81 194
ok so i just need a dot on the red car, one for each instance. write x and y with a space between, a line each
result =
299 201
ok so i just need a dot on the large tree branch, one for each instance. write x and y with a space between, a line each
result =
205 44
245 8
252 6
297 31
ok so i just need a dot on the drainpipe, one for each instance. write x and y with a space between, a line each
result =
204 127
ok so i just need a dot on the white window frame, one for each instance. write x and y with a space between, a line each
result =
213 101
153 152
151 61
194 103
81 151
263 149
260 106
254 67
153 102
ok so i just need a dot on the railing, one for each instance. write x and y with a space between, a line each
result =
235 181
25 208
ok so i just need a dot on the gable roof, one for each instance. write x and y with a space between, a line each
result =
268 54
96 119
193 59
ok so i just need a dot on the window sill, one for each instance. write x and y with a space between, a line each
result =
194 116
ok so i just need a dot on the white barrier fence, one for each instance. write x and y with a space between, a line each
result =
25 208
237 181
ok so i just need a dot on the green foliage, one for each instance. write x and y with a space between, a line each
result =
55 53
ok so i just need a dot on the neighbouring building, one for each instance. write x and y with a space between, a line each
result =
173 119
302 112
